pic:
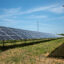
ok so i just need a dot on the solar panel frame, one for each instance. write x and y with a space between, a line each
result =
19 34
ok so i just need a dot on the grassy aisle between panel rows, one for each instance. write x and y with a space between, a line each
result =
32 54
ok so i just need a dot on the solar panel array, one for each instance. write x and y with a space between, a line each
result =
7 33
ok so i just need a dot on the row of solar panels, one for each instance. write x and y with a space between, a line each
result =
17 34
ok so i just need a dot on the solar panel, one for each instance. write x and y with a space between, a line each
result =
7 33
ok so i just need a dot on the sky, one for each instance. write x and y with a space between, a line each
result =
25 14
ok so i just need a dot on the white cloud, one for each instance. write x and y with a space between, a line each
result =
12 11
60 18
15 12
9 20
37 9
58 9
18 11
36 17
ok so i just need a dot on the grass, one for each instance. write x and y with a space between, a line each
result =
31 52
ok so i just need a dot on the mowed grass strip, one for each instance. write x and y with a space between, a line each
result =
28 54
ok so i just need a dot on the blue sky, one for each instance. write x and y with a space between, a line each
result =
25 14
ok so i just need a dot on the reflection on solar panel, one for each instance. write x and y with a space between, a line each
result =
18 34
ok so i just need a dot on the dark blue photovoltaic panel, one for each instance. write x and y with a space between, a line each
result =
2 33
18 34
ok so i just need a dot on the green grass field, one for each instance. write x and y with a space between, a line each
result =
32 52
